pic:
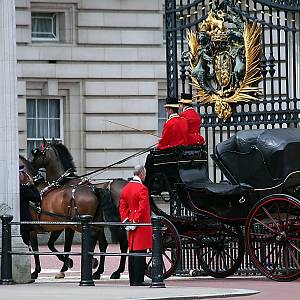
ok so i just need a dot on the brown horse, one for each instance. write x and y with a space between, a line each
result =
40 184
71 197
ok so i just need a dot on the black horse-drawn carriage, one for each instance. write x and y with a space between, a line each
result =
260 194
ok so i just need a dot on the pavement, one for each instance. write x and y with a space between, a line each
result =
48 288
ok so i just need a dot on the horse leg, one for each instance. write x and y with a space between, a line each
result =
68 263
102 243
35 247
51 245
122 238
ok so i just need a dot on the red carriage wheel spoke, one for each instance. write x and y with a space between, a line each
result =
285 259
254 234
276 261
149 262
294 246
265 225
268 256
164 267
171 250
269 215
291 238
294 226
222 253
167 257
295 260
278 214
279 235
287 216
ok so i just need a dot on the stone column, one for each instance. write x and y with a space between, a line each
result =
9 177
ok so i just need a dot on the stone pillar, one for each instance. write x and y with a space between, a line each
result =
9 177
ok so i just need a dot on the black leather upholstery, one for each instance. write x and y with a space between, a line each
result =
260 158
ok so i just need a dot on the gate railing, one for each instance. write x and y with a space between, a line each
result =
86 253
280 67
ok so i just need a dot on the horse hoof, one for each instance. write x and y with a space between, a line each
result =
115 276
34 275
60 275
95 263
70 263
96 275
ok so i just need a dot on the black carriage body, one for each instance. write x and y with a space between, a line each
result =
182 172
257 163
278 107
260 165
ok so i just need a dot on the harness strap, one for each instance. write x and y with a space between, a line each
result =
50 214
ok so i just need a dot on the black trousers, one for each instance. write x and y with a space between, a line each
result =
136 267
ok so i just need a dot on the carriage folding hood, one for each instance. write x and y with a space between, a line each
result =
260 158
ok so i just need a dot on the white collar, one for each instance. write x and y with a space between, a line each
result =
173 116
137 178
187 107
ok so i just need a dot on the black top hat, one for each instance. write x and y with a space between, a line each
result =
186 98
172 102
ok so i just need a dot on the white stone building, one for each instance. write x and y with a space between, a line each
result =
82 67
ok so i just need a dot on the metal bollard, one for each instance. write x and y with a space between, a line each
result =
6 259
157 261
86 258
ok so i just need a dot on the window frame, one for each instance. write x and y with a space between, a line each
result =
57 26
61 118
161 115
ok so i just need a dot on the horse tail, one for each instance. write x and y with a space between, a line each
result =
110 212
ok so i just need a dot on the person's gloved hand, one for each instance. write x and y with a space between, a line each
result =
129 227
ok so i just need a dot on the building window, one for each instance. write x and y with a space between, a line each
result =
44 27
162 117
44 120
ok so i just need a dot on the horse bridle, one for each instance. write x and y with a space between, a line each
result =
26 175
41 152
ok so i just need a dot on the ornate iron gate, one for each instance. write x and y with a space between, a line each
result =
280 66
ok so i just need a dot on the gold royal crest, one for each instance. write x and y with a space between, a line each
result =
224 56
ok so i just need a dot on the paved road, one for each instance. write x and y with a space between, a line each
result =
269 290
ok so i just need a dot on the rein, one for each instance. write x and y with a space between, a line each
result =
43 153
118 162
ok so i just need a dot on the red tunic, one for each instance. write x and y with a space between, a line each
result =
134 205
194 120
174 133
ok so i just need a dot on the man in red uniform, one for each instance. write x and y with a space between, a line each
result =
194 120
135 208
175 129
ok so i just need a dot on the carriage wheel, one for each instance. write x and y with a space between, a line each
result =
221 252
171 250
273 237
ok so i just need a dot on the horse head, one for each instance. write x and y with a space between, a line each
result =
54 157
28 170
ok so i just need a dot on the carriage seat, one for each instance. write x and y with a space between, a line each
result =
197 179
220 189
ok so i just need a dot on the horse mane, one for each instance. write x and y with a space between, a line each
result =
65 156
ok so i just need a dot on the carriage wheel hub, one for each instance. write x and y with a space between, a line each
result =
281 237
